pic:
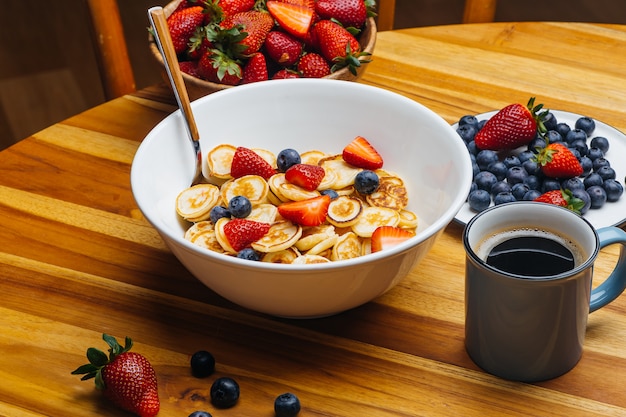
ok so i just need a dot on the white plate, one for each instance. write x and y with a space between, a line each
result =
611 214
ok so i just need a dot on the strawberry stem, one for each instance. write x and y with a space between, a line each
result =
98 359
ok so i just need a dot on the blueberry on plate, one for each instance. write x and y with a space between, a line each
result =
519 190
249 254
563 129
536 145
613 188
500 187
598 196
531 195
580 146
550 184
601 143
525 156
330 192
217 213
224 392
485 180
516 174
533 182
584 196
606 173
587 164
586 124
574 135
593 179
511 161
572 184
286 158
601 162
466 132
502 198
240 207
468 119
552 136
202 364
499 169
549 120
472 148
485 158
594 153
532 167
200 414
366 182
286 405
479 200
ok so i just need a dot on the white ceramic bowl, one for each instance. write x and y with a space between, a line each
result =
306 114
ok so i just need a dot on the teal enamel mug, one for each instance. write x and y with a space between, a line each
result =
528 288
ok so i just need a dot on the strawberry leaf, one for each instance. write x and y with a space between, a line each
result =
97 357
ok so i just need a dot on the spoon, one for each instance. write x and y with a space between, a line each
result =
161 33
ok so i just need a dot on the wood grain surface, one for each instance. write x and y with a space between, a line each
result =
77 259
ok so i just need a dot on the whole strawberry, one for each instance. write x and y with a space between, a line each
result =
182 25
282 48
255 24
350 13
313 65
558 161
513 126
338 46
563 198
125 378
255 69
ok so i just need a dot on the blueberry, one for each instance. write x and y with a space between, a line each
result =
613 188
472 148
525 156
549 121
503 198
479 200
481 124
533 182
574 135
595 153
600 162
531 195
286 405
586 164
552 136
202 364
593 179
249 254
573 184
485 158
286 158
519 190
512 161
606 173
532 167
239 206
466 132
550 184
598 196
218 212
516 174
586 124
200 414
473 187
224 392
536 145
485 180
331 193
584 196
499 169
468 119
575 152
366 182
475 169
563 129
500 187
580 146
601 143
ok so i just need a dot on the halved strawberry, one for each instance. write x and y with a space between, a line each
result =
310 212
306 176
247 162
293 18
558 161
385 237
563 198
362 154
241 233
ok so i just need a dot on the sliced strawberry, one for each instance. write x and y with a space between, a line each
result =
293 18
385 237
247 162
306 176
362 154
310 212
558 161
241 233
563 198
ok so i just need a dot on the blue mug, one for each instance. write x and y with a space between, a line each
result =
526 327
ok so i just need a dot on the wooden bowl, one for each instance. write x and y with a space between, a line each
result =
197 87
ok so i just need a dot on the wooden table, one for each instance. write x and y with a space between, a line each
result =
77 259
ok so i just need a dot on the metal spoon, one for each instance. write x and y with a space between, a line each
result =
166 47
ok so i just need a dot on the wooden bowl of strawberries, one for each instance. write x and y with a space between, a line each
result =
224 43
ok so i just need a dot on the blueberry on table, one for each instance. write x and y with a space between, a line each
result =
598 196
202 364
286 405
224 392
586 124
239 207
614 190
479 200
601 143
286 158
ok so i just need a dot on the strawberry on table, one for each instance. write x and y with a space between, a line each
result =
350 13
563 198
361 154
306 176
338 46
241 233
125 378
247 162
385 237
309 212
293 18
513 126
558 161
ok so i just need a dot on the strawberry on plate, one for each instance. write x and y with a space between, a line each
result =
385 237
126 378
241 233
558 161
361 154
309 212
513 126
292 18
247 162
306 176
563 198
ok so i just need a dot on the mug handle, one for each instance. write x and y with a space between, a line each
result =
615 284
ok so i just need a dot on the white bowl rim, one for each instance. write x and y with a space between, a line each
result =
403 247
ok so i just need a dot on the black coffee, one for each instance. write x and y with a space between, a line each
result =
531 256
